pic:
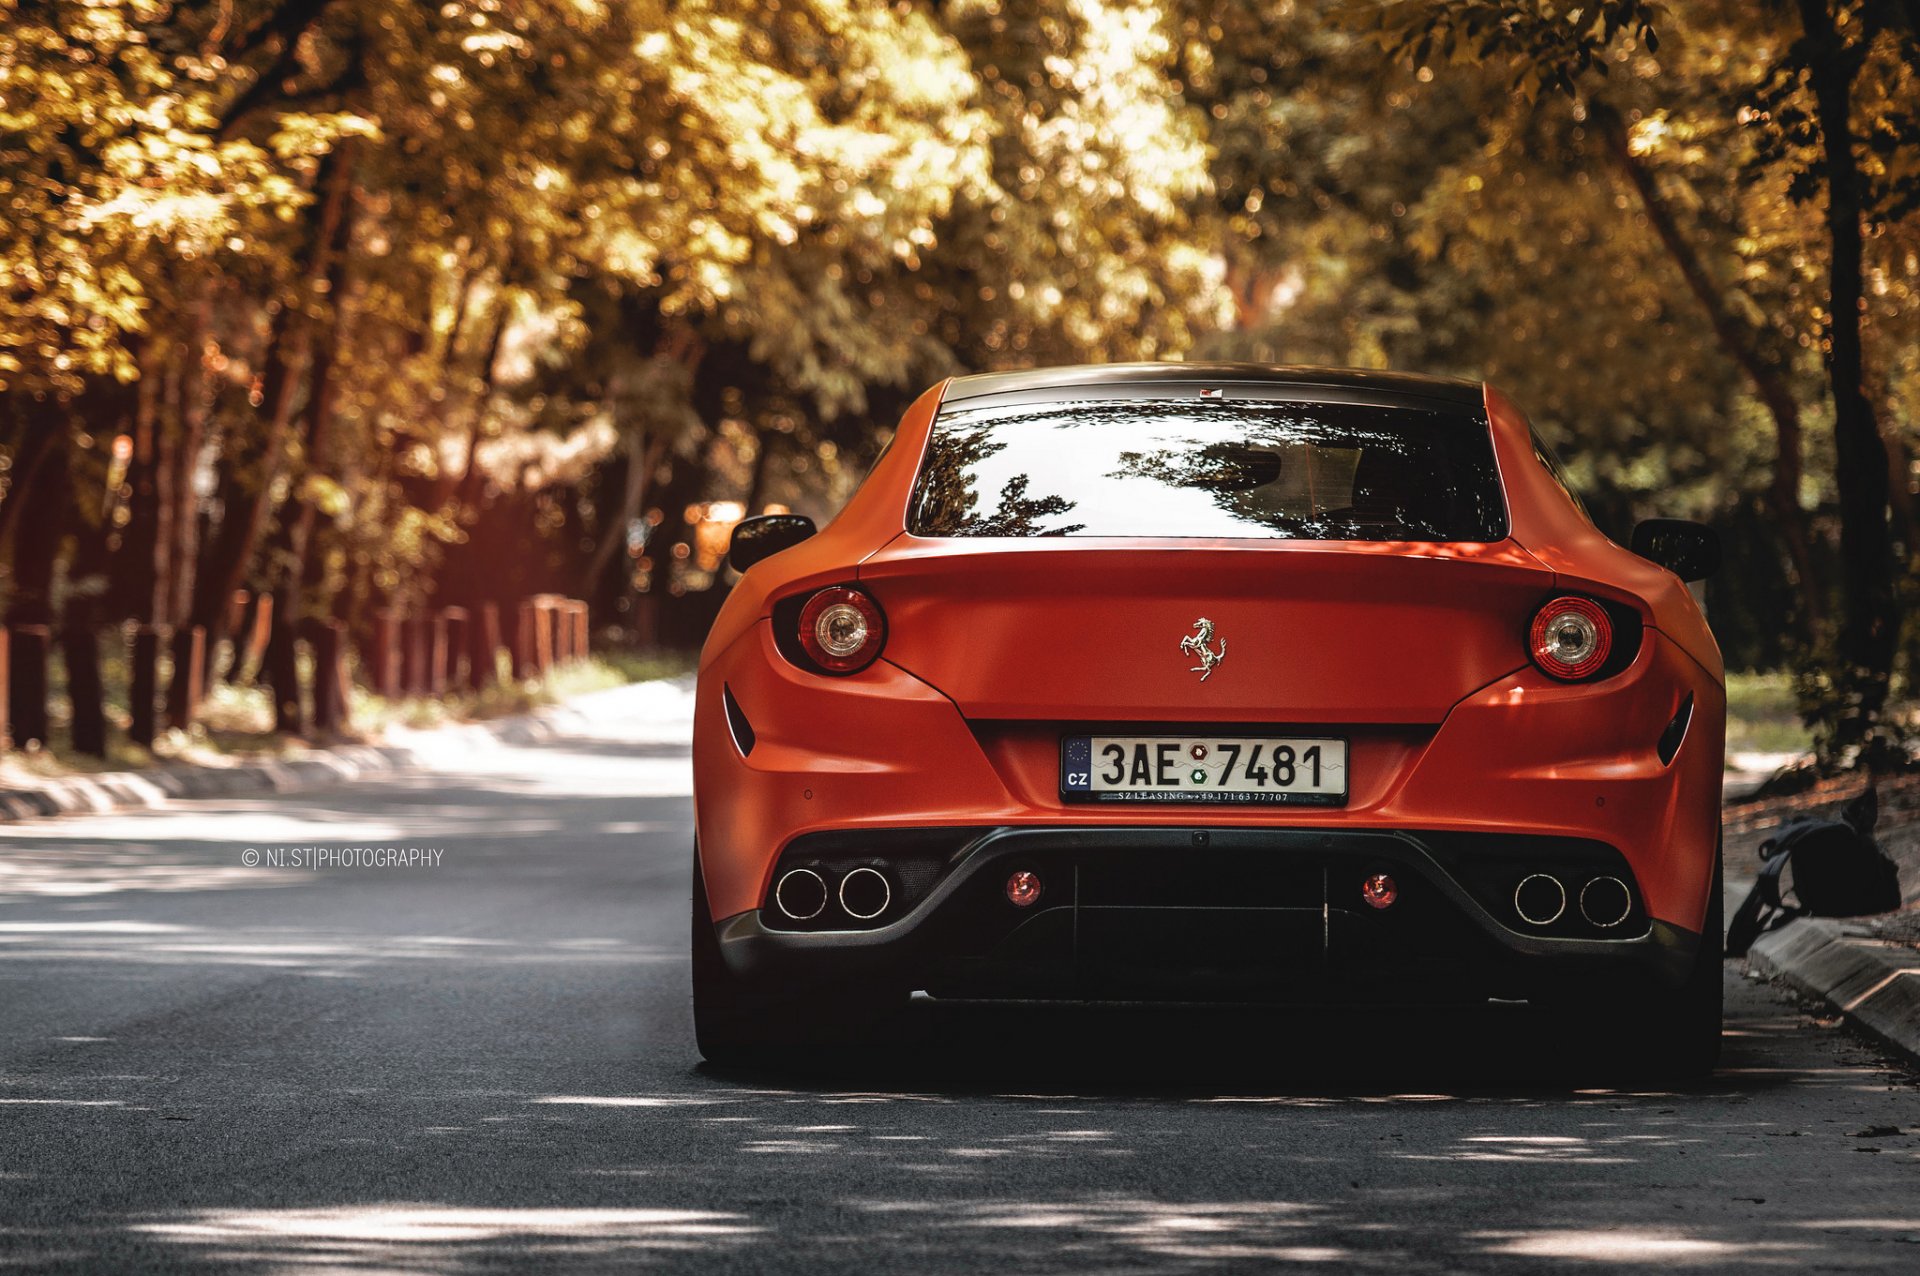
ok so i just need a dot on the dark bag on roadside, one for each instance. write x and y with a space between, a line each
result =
1838 871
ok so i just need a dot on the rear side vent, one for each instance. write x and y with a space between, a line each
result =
737 722
1676 732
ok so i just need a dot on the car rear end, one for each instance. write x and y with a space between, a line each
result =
1212 687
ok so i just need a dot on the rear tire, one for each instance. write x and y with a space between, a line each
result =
1687 1020
730 1026
1646 1028
737 1023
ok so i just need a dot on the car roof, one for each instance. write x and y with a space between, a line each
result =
1049 382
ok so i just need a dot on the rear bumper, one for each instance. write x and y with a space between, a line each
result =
883 751
1196 913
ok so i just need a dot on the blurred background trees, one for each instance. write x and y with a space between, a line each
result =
363 307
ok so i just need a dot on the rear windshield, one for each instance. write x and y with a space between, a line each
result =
1210 467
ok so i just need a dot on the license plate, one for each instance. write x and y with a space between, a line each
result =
1198 768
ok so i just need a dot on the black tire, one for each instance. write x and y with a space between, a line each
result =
1688 1019
729 1025
739 1024
1648 1030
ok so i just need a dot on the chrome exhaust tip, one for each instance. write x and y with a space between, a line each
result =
1540 899
865 893
800 894
1605 902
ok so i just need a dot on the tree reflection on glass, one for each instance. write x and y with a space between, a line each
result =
949 506
1227 468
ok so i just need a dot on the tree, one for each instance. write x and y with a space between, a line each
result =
1810 99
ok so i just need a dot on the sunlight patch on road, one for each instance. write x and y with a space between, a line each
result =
1627 1245
1206 1231
636 1100
427 1237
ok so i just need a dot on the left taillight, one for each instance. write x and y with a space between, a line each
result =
1571 638
842 630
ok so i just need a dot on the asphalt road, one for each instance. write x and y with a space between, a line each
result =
487 1065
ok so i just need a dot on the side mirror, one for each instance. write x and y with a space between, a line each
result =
765 536
1690 551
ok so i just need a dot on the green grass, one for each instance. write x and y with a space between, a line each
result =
1762 716
601 671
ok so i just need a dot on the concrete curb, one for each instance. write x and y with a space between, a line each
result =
1874 984
156 786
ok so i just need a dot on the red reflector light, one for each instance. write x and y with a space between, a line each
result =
1023 889
1379 891
1571 638
842 630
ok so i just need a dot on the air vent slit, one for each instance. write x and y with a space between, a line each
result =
1676 732
737 723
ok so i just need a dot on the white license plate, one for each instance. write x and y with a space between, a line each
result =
1199 768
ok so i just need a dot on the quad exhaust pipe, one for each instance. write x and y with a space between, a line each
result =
801 894
865 893
1542 899
1605 902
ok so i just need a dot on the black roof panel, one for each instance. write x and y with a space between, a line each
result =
1049 381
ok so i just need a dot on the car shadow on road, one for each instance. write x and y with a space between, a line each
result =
1144 1050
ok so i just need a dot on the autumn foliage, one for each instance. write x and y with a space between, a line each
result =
375 308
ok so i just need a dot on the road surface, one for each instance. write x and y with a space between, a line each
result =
485 1063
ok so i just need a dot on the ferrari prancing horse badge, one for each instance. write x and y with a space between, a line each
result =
1195 645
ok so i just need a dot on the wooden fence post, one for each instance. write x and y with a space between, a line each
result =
454 625
330 676
483 661
237 610
435 637
413 655
531 641
543 635
385 664
556 629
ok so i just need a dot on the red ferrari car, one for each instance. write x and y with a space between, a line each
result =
1210 682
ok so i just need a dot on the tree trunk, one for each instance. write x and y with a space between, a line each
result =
83 611
42 510
643 457
27 683
1742 344
225 568
143 686
1870 625
191 411
44 437
86 694
245 500
139 564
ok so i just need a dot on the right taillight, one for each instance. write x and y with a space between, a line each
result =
1571 638
842 630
